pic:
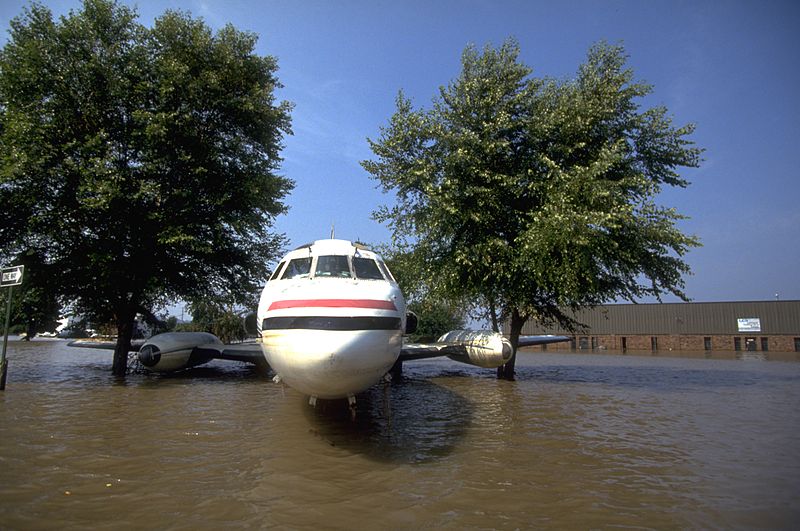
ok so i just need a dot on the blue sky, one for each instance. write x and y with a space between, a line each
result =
731 67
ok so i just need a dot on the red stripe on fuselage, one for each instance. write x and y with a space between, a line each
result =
334 303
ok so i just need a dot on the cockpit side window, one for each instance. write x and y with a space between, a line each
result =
277 271
335 266
297 268
386 271
366 268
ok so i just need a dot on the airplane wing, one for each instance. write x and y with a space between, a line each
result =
248 352
421 351
173 351
481 348
103 344
530 341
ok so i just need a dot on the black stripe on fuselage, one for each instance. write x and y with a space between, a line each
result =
331 323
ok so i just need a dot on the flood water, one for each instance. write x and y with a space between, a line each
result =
577 441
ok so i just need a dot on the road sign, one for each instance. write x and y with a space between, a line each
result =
11 276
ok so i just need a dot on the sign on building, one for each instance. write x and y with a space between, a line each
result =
749 324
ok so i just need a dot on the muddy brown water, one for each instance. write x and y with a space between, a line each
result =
577 441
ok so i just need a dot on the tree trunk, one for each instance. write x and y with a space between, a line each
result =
506 372
493 316
31 331
124 335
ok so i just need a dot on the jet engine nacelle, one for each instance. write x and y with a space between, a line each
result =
174 351
482 348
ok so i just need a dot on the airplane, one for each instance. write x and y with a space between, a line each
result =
330 323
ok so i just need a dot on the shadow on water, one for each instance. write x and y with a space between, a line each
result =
215 373
227 370
407 421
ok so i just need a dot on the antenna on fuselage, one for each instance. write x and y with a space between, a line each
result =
333 231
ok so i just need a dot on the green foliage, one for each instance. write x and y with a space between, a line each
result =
213 317
140 162
436 317
536 194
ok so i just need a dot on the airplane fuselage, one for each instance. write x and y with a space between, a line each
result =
331 319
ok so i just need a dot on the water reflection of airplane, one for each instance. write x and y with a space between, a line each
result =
330 323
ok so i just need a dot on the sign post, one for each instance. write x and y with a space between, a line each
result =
9 277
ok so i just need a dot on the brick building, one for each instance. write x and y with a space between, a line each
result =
710 326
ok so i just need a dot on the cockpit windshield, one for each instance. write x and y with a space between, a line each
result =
335 266
366 268
297 268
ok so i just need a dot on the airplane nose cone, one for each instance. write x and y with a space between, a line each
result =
329 364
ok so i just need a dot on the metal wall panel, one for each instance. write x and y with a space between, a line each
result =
697 318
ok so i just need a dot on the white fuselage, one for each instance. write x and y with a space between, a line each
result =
335 329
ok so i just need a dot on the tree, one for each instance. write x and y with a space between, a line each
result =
532 195
141 162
